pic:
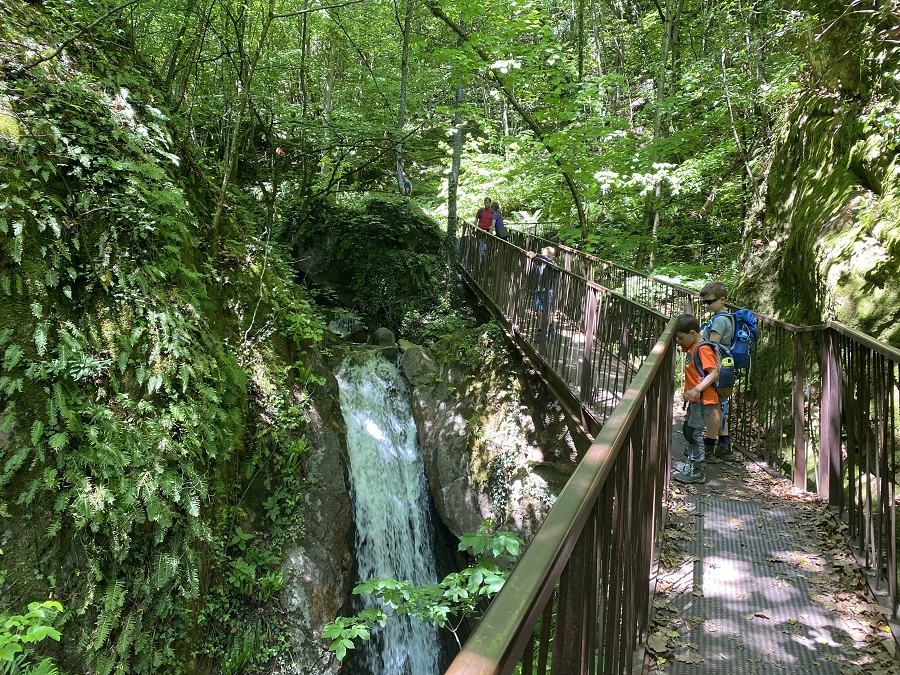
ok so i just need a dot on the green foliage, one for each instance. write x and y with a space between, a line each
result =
446 604
386 254
152 371
20 632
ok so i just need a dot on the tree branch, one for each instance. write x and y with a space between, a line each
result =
56 52
316 9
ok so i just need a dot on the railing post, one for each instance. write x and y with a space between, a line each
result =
830 421
590 329
799 414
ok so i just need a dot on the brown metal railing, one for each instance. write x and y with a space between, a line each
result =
821 403
578 600
663 296
588 343
858 432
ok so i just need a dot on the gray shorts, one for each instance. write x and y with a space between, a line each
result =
697 413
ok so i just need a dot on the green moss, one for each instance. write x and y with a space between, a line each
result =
832 222
10 129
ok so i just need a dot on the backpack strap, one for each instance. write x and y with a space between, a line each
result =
718 349
733 324
696 357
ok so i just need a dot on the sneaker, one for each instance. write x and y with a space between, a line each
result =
690 475
730 457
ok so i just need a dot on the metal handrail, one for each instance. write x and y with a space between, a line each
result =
581 585
651 291
822 403
574 572
587 343
608 494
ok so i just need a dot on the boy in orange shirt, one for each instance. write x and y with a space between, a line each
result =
700 395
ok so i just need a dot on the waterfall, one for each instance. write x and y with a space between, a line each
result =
391 506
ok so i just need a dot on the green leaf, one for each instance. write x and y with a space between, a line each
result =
38 633
37 430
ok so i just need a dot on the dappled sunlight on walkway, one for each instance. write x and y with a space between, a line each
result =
756 577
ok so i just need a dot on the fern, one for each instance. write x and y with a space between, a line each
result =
123 642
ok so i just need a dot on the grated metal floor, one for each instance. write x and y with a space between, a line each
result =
740 588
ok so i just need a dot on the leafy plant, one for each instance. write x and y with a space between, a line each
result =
19 632
446 604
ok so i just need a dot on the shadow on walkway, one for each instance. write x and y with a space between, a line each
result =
756 578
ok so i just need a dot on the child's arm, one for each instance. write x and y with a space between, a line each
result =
712 375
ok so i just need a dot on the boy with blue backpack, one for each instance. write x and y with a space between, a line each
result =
736 333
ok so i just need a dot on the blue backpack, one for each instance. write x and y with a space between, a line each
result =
744 335
724 362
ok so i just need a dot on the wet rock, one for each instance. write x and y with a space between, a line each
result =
382 337
317 567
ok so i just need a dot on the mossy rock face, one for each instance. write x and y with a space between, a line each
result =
829 243
381 255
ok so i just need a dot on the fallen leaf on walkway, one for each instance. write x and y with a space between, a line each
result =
711 627
657 643
736 523
763 613
689 657
698 593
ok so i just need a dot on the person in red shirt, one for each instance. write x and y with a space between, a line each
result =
484 218
700 396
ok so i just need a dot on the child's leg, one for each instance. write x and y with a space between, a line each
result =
724 450
694 430
714 421
696 448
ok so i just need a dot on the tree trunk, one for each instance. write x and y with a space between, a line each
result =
234 144
532 124
328 90
404 79
304 41
453 183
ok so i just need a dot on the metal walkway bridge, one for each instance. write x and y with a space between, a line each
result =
819 402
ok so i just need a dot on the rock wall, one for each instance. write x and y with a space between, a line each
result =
826 242
317 568
496 445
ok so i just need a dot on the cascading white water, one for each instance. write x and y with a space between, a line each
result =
391 506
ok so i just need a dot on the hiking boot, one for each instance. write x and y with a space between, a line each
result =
690 474
709 445
723 451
